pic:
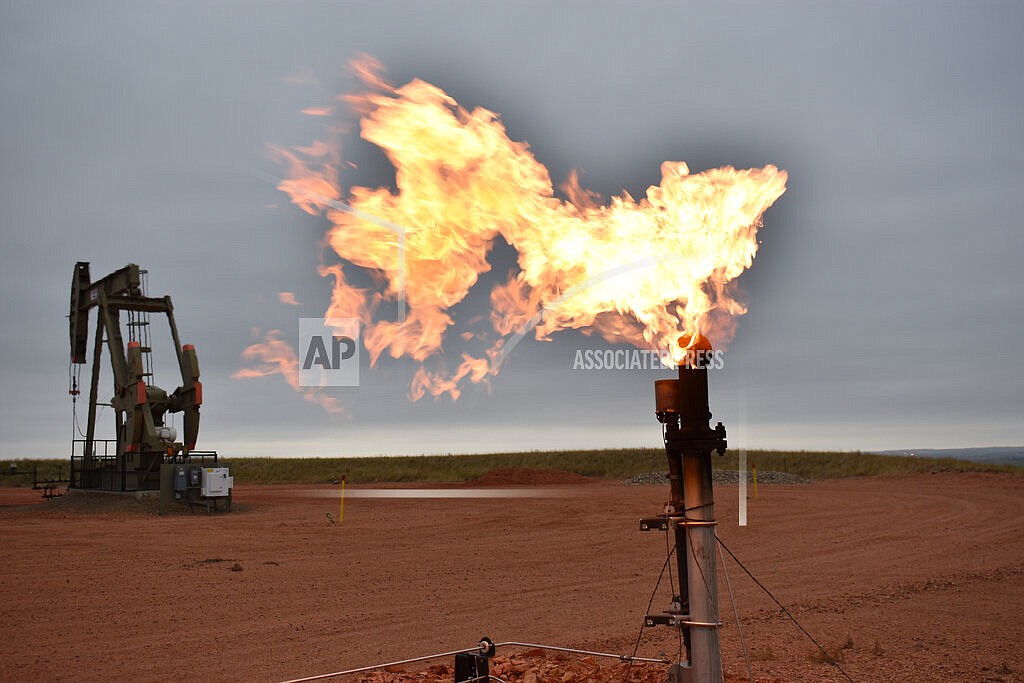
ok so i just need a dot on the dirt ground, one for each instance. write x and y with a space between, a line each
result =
917 578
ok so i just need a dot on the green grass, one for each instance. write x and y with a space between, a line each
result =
612 464
443 468
44 469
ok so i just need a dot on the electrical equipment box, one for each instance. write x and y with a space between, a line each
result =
180 479
216 482
195 485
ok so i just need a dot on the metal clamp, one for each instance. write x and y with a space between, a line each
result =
677 620
682 521
666 619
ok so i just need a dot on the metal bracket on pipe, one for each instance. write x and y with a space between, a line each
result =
667 619
659 523
677 620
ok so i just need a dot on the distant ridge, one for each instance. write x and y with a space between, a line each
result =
992 455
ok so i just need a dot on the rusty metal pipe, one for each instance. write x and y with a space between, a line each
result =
689 442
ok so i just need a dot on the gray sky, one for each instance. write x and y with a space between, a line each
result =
885 301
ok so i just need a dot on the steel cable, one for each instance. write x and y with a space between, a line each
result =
760 585
639 635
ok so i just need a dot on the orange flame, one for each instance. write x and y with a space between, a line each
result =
288 298
317 111
638 271
275 357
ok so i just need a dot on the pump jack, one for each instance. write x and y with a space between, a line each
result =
144 441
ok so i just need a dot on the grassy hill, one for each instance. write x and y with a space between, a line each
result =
612 464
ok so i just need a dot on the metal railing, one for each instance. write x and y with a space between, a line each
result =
86 467
103 470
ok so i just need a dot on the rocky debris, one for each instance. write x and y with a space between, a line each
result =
535 666
648 478
766 477
724 477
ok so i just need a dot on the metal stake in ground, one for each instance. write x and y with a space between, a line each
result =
682 406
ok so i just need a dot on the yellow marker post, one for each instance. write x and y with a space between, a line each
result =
753 468
341 518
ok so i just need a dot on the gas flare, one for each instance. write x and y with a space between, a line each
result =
274 356
636 271
288 298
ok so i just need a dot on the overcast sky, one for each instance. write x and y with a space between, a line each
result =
885 303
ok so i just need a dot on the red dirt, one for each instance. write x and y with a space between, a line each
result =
906 579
